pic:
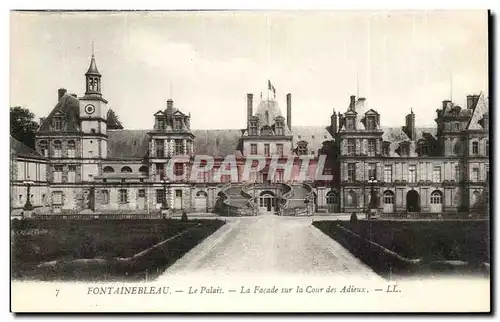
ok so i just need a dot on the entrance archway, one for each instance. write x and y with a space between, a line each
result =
412 201
332 201
267 201
201 201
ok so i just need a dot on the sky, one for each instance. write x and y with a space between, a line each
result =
208 61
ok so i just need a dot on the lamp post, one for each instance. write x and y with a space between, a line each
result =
164 204
27 205
373 197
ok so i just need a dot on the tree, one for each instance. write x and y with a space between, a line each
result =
23 126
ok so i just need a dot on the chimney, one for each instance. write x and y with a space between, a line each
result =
42 119
352 102
170 107
289 110
410 126
60 93
333 123
446 103
249 107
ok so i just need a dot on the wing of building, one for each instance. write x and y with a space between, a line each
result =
95 166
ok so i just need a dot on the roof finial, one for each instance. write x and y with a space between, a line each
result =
92 48
411 110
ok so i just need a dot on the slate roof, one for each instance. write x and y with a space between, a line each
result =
313 135
217 143
128 144
21 150
69 106
396 136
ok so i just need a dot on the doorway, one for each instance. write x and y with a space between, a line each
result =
267 202
412 201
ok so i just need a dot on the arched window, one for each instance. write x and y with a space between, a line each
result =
71 148
44 148
436 197
331 198
108 169
201 194
351 198
144 169
57 148
389 197
126 169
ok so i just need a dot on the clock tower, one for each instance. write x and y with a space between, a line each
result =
93 114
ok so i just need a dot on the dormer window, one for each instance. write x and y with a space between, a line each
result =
404 149
44 148
350 125
302 148
177 124
253 127
57 125
280 127
160 124
385 148
424 149
456 126
370 123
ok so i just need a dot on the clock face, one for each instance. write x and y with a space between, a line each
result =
89 109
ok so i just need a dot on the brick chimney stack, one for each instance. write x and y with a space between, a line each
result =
249 108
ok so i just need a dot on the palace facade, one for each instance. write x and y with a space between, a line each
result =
87 163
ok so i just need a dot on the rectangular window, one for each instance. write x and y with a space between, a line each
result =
475 175
91 154
71 173
372 147
372 171
475 147
142 193
385 149
57 123
279 129
436 174
253 148
159 148
177 124
404 150
57 198
266 150
58 173
253 128
160 124
350 123
351 172
123 195
105 196
179 169
179 147
279 148
370 123
159 196
351 146
178 193
412 173
160 172
388 173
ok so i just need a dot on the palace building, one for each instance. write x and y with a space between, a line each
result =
88 163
